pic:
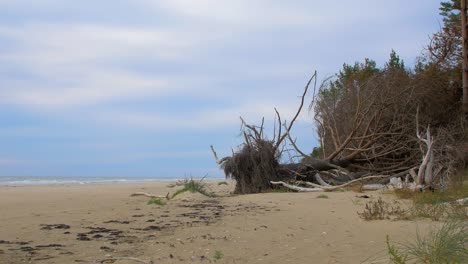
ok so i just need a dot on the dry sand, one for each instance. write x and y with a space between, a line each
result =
86 223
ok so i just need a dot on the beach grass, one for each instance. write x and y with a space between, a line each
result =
218 255
447 244
322 196
193 186
156 201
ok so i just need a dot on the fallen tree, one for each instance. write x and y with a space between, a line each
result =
367 138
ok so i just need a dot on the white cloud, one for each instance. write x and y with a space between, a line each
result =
205 119
74 64
78 64
88 88
241 12
318 17
65 44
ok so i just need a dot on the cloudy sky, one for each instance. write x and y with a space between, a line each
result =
143 87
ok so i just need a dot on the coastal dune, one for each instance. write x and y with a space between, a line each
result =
93 222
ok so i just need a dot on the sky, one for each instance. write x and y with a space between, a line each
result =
144 87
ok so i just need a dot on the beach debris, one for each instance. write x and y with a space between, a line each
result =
364 196
117 222
106 249
6 242
54 226
50 246
82 237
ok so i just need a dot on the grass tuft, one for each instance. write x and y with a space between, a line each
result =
447 244
322 196
222 183
157 201
218 255
193 186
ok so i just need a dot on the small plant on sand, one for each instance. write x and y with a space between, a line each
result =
218 255
448 244
437 205
193 186
157 201
222 183
438 210
380 210
435 212
322 196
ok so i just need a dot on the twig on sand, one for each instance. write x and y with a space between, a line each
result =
149 195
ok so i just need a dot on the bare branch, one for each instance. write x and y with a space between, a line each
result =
297 113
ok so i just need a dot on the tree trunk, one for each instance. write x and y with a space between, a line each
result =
464 28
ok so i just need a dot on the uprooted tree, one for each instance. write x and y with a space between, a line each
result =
375 126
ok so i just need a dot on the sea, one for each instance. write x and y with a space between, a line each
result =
36 180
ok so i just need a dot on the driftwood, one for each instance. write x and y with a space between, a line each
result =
462 201
323 186
150 195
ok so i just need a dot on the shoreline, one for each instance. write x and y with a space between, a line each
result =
46 181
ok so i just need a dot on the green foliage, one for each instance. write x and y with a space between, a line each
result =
447 244
394 63
322 196
218 255
444 50
450 11
194 186
348 77
157 201
317 152
359 72
222 183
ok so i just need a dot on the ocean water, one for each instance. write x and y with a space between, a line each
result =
35 180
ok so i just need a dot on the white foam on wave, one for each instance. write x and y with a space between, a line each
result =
56 181
36 180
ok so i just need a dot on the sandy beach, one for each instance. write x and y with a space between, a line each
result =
87 223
